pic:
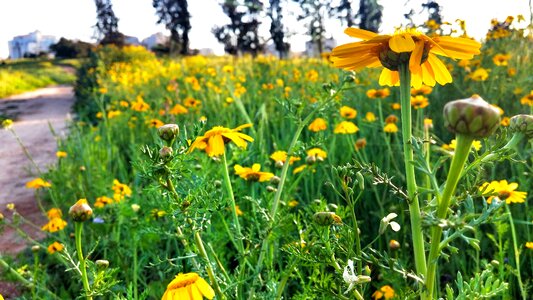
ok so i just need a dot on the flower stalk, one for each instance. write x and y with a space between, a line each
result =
78 227
464 142
414 206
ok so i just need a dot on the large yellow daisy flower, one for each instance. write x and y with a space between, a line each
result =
188 286
406 46
213 140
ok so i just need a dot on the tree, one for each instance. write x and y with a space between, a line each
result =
176 17
345 12
315 12
277 31
66 48
241 35
107 24
368 16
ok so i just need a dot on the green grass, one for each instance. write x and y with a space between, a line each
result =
26 75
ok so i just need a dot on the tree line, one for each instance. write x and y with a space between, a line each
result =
241 34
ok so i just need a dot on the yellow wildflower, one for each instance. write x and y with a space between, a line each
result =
390 51
213 140
253 173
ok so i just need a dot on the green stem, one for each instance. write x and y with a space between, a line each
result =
78 227
284 172
135 268
414 206
516 253
234 215
462 150
208 266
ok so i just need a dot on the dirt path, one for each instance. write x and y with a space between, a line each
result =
34 113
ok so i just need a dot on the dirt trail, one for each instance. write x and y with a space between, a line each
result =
34 113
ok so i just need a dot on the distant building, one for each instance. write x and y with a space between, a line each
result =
31 43
154 40
311 48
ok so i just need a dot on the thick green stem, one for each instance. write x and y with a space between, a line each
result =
516 254
233 207
459 158
78 227
414 206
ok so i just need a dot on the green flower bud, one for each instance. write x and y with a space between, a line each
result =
165 152
523 124
81 211
271 189
326 218
275 180
36 248
168 132
102 264
472 117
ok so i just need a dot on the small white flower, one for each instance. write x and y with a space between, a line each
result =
349 276
386 221
351 279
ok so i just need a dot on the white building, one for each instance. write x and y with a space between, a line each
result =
31 43
311 48
154 40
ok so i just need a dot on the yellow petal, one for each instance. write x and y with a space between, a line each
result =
416 57
238 169
416 79
205 288
388 77
256 167
355 63
360 33
215 146
242 127
195 292
512 186
402 43
428 77
442 75
181 294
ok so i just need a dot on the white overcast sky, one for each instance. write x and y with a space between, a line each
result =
74 19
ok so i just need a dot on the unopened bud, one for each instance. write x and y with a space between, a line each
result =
394 245
217 183
166 152
135 207
523 124
279 164
80 211
275 180
311 159
360 180
102 264
367 270
35 248
271 189
495 263
363 279
326 218
472 117
168 132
